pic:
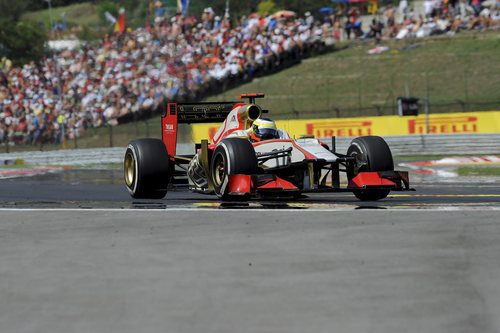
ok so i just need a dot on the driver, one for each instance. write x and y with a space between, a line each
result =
263 129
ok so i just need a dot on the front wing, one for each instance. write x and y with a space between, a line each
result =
240 184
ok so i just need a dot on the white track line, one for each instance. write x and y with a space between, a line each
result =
249 210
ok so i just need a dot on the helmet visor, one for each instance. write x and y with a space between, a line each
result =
266 133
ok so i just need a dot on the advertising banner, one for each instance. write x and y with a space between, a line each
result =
443 123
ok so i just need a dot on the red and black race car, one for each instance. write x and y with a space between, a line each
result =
233 167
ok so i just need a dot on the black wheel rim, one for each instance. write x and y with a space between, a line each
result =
360 162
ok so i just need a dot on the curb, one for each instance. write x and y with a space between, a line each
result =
458 161
426 167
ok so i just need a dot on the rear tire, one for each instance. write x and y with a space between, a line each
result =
372 154
231 156
146 169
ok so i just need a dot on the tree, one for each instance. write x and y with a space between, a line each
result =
107 6
20 41
12 9
266 7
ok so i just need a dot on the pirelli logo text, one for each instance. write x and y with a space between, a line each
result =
443 125
339 128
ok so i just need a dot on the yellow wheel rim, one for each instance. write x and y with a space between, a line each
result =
129 168
219 170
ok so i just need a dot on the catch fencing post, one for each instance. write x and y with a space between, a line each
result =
394 109
64 143
147 128
466 91
426 110
110 135
328 100
359 93
75 136
292 99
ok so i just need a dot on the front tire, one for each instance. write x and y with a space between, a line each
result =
146 169
372 154
231 156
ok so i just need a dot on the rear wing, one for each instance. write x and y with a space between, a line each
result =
188 114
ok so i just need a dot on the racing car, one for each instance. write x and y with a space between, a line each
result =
235 167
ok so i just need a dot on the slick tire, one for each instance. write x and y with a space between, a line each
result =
146 169
231 156
372 154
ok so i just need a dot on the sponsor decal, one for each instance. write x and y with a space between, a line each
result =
444 125
169 128
201 108
339 128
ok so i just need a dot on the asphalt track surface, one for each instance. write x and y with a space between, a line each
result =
104 189
77 254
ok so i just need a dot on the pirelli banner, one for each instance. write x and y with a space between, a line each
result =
443 123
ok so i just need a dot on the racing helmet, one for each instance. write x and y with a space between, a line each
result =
263 129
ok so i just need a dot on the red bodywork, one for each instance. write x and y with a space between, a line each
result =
169 129
370 179
247 184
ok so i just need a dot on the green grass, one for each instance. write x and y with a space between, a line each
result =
82 14
350 82
478 171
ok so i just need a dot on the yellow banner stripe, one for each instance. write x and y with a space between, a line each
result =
449 123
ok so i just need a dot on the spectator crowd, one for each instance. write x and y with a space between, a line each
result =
131 73
437 17
182 58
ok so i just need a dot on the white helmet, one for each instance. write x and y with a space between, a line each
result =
263 129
